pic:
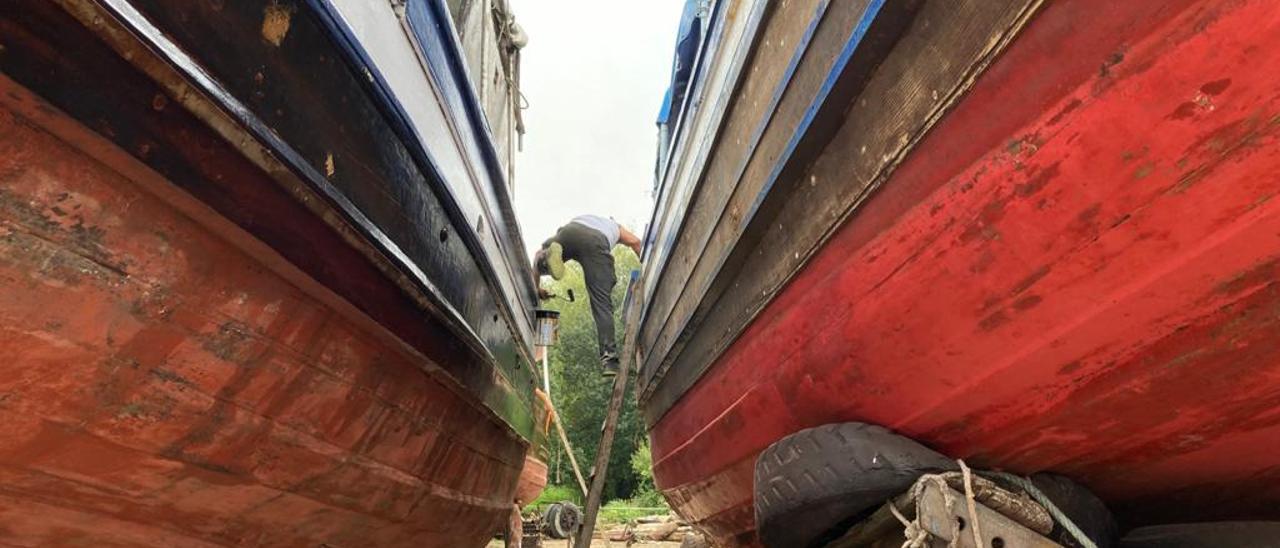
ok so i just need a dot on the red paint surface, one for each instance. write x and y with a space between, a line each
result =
159 386
1076 271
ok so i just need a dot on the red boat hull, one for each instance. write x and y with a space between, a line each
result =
1075 271
167 380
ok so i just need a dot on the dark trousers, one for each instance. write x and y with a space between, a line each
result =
591 249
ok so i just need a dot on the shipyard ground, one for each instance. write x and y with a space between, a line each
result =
597 543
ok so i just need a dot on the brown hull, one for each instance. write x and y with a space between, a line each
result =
165 379
533 479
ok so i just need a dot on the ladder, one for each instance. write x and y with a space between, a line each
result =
599 471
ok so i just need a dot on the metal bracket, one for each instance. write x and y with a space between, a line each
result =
998 531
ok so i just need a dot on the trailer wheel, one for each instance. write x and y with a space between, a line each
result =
1226 534
812 482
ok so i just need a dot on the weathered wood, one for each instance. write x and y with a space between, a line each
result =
600 470
727 52
773 64
937 59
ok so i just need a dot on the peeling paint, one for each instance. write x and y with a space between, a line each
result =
276 19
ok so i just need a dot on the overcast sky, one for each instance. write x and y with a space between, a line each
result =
594 74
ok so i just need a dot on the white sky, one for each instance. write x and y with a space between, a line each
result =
594 74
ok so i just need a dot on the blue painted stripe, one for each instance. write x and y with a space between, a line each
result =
851 45
756 135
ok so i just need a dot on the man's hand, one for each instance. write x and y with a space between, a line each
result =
544 294
625 237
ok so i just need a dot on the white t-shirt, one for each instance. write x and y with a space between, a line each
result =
603 225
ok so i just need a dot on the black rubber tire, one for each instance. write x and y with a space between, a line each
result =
561 519
1226 534
1084 508
549 520
811 483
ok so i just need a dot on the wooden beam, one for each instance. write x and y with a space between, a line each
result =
600 471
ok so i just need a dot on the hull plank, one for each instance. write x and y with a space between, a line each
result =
229 322
160 380
1074 271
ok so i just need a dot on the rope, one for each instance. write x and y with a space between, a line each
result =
973 507
917 537
1039 496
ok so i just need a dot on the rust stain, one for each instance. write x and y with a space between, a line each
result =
1144 170
1037 181
1112 60
1030 280
1258 275
1184 111
996 319
275 22
1070 368
1074 104
1216 87
982 226
1089 213
1027 303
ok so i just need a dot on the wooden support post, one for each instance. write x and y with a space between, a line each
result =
568 449
564 439
600 471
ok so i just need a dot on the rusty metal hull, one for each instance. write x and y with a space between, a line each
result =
1075 270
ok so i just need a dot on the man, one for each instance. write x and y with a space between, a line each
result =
589 239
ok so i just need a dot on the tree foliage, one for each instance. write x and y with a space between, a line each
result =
581 393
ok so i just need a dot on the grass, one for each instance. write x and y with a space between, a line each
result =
621 511
613 512
557 493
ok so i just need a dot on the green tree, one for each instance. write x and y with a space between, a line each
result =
581 393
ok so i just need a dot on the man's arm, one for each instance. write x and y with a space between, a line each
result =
625 237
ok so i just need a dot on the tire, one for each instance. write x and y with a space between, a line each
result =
549 519
561 519
1226 534
1084 509
811 483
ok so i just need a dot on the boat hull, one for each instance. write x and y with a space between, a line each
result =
1074 271
162 386
240 301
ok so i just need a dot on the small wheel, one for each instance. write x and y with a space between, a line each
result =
549 518
561 520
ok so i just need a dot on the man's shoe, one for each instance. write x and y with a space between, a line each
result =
555 260
610 361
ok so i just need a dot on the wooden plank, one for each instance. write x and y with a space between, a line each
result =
600 470
730 46
204 141
842 51
783 42
943 52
